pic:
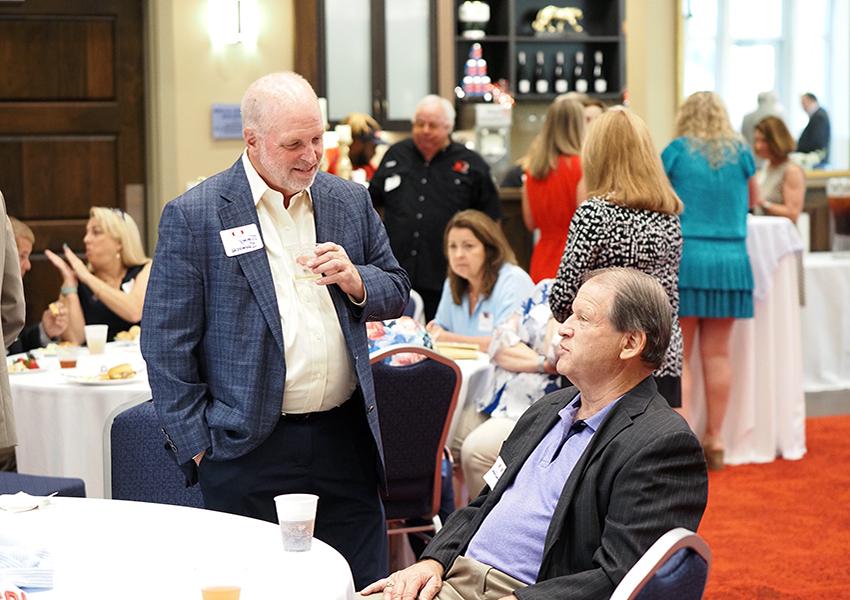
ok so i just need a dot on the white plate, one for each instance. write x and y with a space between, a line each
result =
22 502
126 343
28 371
90 378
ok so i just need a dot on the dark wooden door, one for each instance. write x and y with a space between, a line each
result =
71 122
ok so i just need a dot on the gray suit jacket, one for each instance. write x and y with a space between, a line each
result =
642 475
211 332
12 316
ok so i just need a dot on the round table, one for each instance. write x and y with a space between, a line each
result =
60 424
477 374
134 550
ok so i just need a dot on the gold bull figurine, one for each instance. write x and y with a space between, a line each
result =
552 19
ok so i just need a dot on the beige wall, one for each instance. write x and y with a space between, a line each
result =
651 64
186 75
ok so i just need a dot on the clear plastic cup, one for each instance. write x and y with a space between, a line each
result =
296 514
67 356
221 592
838 196
302 253
96 338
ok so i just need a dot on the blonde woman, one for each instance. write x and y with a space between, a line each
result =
712 170
110 289
553 184
629 220
782 183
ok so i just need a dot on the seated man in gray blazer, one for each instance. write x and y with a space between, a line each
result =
590 477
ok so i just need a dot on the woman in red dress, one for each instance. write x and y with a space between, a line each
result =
553 184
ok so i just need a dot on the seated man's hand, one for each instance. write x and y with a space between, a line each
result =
54 320
421 580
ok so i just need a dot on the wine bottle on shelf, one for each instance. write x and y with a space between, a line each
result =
541 82
579 77
600 84
559 79
523 83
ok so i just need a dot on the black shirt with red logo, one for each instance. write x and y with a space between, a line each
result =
418 199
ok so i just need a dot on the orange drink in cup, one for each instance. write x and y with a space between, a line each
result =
221 592
67 356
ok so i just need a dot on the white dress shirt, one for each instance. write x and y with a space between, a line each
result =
319 372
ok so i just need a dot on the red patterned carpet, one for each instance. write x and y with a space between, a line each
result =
782 530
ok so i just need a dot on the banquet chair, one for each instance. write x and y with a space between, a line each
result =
415 307
675 566
415 407
41 485
141 468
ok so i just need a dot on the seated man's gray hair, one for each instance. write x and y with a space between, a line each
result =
640 304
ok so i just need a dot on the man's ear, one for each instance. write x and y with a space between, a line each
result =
250 137
633 344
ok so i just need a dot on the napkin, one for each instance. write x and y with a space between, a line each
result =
22 502
25 567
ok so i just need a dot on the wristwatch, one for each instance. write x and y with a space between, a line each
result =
541 364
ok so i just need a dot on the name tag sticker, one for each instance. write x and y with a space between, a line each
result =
492 476
240 240
485 322
392 182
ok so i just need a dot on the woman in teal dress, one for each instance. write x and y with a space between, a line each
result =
712 171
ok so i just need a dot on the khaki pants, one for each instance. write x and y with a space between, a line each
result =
480 450
468 420
469 579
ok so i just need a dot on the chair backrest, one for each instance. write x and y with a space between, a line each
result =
415 307
675 566
415 406
142 469
41 485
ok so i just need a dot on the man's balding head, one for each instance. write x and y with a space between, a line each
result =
270 92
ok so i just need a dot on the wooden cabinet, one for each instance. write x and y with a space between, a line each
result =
510 32
371 56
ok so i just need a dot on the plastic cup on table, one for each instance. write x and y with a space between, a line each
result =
296 514
96 338
221 592
838 198
67 356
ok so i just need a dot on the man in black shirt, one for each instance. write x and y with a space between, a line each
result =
421 183
815 137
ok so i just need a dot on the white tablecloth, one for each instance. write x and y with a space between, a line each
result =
766 414
476 376
61 425
826 322
108 549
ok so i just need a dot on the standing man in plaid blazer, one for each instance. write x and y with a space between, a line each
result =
260 372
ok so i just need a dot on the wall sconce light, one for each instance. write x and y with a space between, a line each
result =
233 22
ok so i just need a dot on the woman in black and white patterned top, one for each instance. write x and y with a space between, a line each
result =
629 220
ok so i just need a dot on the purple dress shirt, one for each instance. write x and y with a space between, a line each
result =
512 536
